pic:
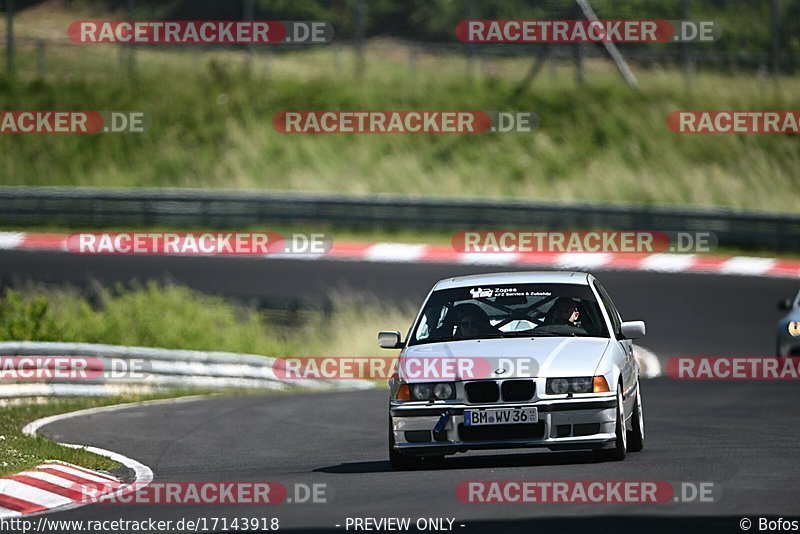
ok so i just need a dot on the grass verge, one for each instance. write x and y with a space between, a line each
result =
19 452
212 127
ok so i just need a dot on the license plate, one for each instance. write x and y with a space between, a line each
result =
506 416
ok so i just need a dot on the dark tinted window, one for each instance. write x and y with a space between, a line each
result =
509 310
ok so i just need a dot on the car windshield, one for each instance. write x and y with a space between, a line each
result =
513 310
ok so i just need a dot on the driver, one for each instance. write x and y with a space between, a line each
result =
564 312
471 321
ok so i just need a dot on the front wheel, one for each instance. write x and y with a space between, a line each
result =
636 435
620 449
401 462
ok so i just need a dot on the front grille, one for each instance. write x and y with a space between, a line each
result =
500 432
482 391
518 390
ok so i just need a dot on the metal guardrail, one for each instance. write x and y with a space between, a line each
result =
96 208
156 369
174 369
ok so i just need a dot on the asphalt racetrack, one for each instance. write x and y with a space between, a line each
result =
743 437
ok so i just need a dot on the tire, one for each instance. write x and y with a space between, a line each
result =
434 461
399 461
620 450
636 436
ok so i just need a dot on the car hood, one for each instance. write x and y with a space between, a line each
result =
519 357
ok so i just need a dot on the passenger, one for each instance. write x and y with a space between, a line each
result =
564 312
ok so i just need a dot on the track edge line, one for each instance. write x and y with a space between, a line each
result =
143 475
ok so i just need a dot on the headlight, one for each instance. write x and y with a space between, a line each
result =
557 386
421 391
560 386
582 384
443 391
437 391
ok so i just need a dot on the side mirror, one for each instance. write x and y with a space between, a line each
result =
632 329
389 340
785 304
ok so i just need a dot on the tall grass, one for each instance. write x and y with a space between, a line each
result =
175 317
212 127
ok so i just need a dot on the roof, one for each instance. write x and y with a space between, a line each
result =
525 277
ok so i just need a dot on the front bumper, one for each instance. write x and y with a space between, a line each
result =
574 424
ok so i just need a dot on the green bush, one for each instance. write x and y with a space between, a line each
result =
154 315
176 317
